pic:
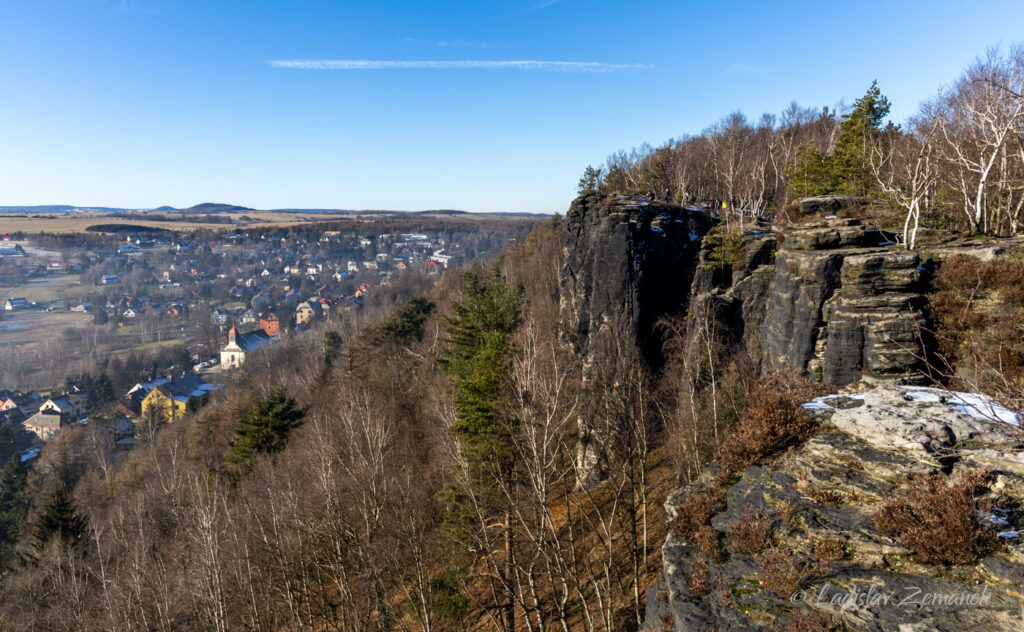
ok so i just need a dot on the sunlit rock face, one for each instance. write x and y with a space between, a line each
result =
844 305
826 491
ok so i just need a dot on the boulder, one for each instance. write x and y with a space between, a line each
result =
830 204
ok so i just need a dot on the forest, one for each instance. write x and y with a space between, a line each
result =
957 163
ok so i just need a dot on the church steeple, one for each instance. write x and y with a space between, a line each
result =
231 334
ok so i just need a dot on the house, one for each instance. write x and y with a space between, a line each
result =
45 424
109 279
83 308
27 403
353 266
248 317
307 311
220 316
72 406
167 400
269 323
232 355
13 304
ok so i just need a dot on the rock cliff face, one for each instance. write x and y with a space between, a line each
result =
628 261
843 306
818 503
835 300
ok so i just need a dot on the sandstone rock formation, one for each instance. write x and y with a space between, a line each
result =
825 492
830 204
843 306
628 261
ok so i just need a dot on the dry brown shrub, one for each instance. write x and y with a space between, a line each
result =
939 522
831 550
787 512
706 539
699 581
753 533
695 511
783 572
978 311
773 421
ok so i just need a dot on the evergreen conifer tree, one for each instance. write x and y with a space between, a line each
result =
58 519
849 162
847 169
265 429
477 357
13 507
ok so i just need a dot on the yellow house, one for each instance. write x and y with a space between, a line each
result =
162 404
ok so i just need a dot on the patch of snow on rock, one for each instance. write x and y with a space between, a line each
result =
922 420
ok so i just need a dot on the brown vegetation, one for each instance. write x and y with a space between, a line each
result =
939 521
772 422
752 533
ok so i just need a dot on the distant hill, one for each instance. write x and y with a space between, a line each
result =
164 208
207 208
61 208
442 211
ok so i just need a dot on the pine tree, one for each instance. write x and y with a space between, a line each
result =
408 323
13 507
332 347
847 170
849 161
265 429
590 181
477 356
809 174
59 519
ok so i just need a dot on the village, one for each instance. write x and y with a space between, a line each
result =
199 305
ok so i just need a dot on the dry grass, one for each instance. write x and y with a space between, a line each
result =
833 495
939 522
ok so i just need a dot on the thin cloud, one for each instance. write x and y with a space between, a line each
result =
749 69
524 64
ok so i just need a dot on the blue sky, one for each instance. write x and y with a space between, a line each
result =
140 103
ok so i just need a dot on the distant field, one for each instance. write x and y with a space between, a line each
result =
79 222
28 328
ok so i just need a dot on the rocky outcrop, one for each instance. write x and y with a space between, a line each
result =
824 204
844 306
819 501
627 261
